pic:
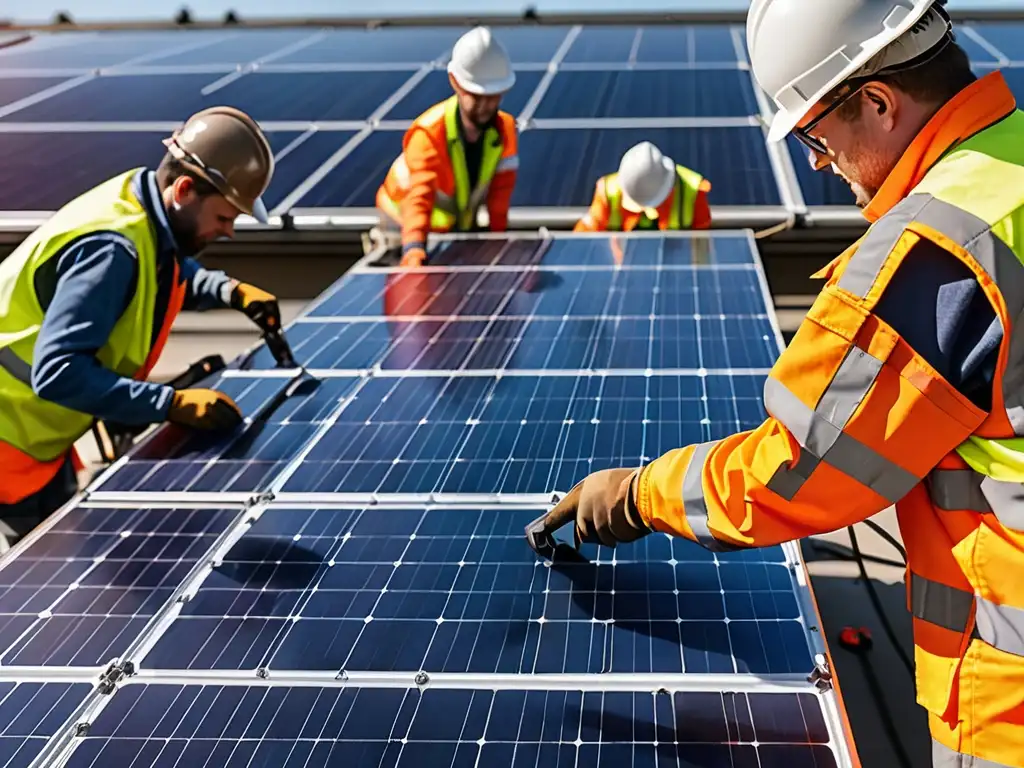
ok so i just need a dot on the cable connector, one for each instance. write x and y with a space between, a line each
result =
113 675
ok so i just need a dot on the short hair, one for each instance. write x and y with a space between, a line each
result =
171 169
935 81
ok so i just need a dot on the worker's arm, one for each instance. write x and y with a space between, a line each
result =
499 197
205 288
83 299
701 208
850 433
423 161
596 219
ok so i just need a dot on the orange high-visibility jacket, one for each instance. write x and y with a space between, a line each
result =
601 215
427 187
859 421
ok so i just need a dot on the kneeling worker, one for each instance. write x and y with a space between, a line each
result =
88 299
649 191
457 156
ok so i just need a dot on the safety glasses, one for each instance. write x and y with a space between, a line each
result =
805 134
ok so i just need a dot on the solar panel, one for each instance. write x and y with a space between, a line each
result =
31 714
86 158
82 594
170 725
267 96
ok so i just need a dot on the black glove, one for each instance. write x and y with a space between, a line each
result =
258 305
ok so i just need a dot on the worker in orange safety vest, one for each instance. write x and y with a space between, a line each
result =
905 382
457 157
649 191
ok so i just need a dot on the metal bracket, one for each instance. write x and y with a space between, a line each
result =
421 679
821 675
114 674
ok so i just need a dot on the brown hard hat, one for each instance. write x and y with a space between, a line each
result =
227 148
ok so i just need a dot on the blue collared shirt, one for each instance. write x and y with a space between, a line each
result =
84 293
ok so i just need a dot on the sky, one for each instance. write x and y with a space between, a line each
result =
33 11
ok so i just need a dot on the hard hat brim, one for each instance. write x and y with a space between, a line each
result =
491 89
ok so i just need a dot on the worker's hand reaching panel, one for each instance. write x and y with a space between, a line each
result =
603 508
261 307
204 409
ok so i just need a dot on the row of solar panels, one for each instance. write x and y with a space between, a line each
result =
336 132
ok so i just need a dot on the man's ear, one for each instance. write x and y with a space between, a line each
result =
182 191
881 100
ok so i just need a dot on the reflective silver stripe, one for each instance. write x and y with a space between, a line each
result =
1001 626
939 603
866 263
957 489
820 432
15 366
510 163
944 757
694 506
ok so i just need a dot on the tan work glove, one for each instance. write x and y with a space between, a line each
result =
604 508
258 305
414 257
204 409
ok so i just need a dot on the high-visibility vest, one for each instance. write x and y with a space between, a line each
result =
34 433
455 209
687 185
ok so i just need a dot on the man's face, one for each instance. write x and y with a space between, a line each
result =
198 221
859 146
478 110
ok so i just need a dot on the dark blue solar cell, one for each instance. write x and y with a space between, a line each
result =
16 88
435 88
695 44
344 345
458 590
31 714
601 44
82 592
531 44
561 167
291 727
246 459
819 187
86 159
1006 37
716 250
354 182
385 45
649 93
1015 80
265 96
89 50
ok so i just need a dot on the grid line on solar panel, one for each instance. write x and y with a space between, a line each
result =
244 461
458 590
33 713
82 592
171 725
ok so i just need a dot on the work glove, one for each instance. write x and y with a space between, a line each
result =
603 507
414 257
204 409
258 305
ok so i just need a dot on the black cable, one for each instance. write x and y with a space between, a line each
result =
889 538
840 553
873 595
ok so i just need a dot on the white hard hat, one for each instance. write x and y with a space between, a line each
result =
801 49
480 63
646 177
